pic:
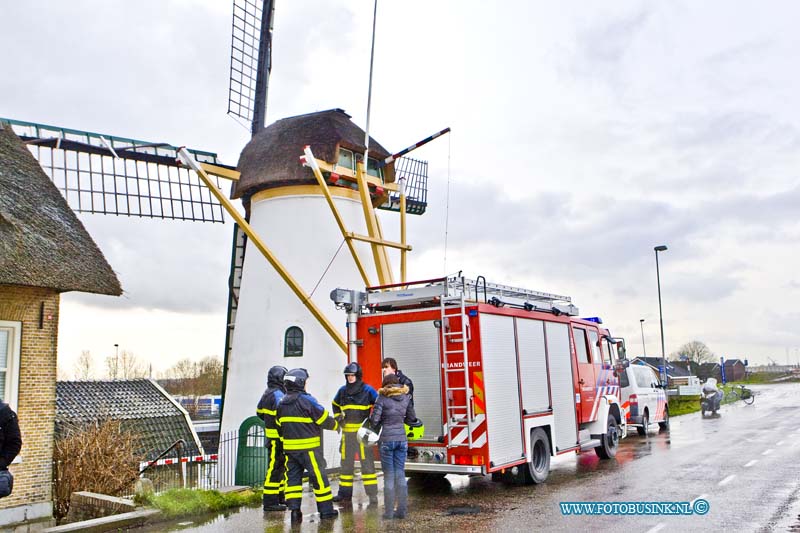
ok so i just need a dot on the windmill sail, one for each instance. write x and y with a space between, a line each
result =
251 61
118 176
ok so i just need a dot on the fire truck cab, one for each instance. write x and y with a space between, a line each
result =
504 378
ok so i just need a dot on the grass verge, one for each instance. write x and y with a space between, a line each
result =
182 502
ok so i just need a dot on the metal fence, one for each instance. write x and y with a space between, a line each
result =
237 462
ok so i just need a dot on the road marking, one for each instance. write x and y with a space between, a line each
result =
751 463
779 442
658 527
767 452
727 480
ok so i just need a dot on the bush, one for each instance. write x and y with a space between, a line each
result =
97 457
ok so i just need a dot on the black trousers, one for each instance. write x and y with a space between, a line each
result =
313 462
349 448
275 480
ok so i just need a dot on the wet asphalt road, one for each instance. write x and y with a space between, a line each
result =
745 463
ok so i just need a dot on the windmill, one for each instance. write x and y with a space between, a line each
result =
315 226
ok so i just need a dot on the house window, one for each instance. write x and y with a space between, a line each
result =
293 342
9 361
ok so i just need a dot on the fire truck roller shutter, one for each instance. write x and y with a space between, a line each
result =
415 346
533 365
561 385
501 384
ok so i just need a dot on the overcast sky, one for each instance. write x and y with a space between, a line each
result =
583 135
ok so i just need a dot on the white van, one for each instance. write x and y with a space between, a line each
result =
643 399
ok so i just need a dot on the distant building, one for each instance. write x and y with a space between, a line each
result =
674 370
44 251
735 370
709 370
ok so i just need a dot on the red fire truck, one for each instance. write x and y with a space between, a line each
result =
504 378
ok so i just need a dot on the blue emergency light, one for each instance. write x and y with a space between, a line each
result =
595 319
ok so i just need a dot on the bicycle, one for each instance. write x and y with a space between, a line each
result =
743 393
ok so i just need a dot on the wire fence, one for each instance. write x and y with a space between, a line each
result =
238 461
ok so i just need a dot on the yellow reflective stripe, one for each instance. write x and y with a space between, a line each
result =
293 496
351 428
336 404
348 483
265 411
271 491
271 465
323 417
299 419
357 407
320 481
300 444
368 482
325 498
346 477
272 433
369 476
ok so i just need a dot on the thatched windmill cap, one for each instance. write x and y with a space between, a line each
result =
271 158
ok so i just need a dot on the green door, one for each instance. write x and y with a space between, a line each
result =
251 456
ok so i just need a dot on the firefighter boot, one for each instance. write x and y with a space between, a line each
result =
271 503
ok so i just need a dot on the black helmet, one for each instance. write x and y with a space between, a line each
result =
295 379
275 375
353 368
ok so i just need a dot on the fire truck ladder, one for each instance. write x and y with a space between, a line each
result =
459 415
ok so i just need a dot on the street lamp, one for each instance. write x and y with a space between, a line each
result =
644 348
661 248
116 360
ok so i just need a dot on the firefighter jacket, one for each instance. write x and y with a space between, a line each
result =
300 420
352 404
268 404
10 438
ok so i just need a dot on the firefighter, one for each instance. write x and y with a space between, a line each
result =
390 367
300 420
275 480
351 407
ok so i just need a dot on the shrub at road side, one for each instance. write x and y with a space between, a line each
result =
184 502
682 405
97 457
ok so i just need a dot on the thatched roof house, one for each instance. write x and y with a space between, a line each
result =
44 251
271 158
42 242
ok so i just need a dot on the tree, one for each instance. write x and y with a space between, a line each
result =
195 378
125 366
695 352
84 366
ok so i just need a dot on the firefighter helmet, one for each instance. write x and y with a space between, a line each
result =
415 429
366 435
353 368
276 374
295 379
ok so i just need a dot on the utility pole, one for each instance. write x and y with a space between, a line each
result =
644 348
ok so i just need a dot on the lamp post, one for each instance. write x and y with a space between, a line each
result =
661 248
116 361
644 348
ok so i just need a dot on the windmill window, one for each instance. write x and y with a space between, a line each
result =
347 159
293 342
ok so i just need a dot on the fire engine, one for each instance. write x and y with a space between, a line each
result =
504 378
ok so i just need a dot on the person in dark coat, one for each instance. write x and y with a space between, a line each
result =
10 445
300 420
390 367
393 409
275 479
351 406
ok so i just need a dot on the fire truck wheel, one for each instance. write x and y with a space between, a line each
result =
609 441
539 466
642 430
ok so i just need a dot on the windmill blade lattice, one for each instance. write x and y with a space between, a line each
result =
118 176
